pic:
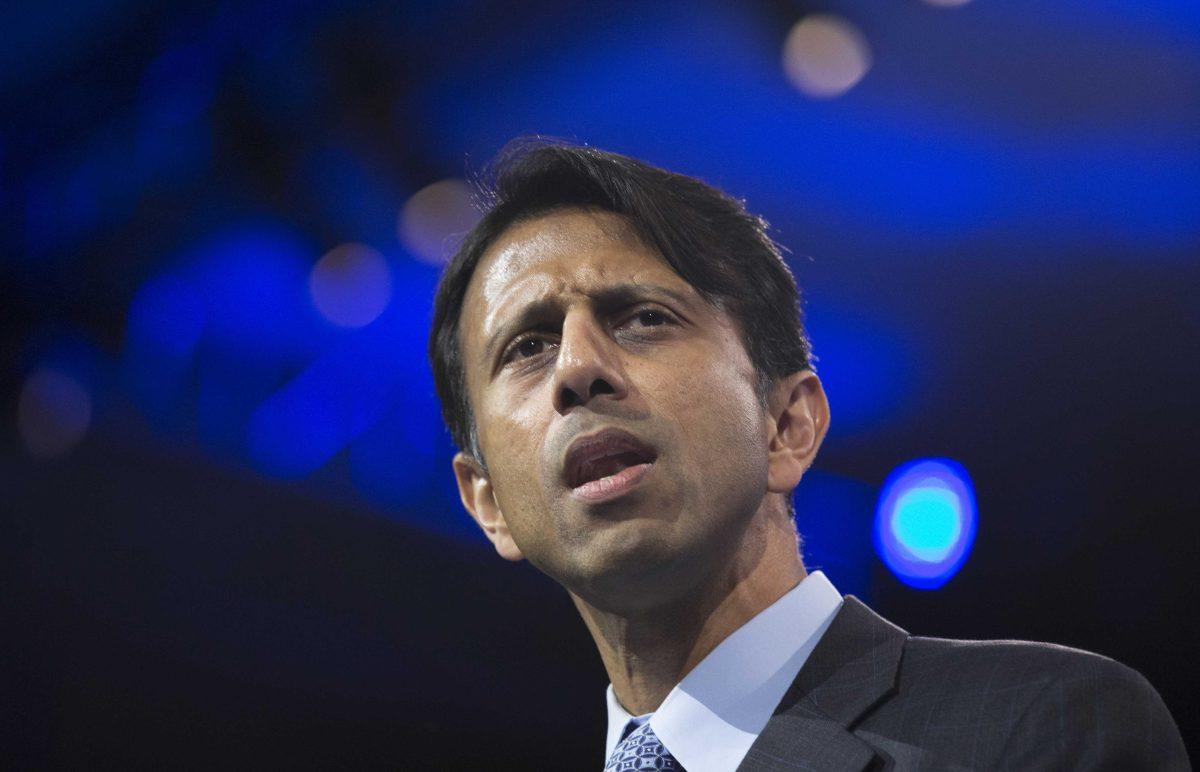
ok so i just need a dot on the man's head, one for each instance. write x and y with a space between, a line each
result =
602 299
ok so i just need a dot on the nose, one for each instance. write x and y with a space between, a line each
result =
588 364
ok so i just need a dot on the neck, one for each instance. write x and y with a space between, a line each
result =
646 653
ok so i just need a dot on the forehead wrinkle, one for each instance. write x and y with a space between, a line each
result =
539 289
519 266
523 292
591 281
533 252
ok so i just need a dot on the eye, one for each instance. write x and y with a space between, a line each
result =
534 345
530 347
525 348
651 318
645 317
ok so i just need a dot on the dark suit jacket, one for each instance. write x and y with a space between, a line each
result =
871 696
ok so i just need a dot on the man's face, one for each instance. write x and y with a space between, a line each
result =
571 327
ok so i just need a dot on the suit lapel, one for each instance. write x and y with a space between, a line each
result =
852 669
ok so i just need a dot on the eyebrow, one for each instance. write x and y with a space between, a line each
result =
542 310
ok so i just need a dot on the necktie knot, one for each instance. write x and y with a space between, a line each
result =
641 750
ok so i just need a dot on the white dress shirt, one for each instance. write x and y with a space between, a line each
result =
711 718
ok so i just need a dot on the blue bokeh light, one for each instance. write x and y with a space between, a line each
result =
63 393
369 373
925 521
351 285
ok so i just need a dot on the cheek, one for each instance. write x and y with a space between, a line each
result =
720 417
512 445
528 415
514 426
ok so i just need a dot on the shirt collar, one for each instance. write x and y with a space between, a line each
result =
711 718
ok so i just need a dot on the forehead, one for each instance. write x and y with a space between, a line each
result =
565 254
586 243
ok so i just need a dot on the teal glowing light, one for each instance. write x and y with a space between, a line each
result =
925 521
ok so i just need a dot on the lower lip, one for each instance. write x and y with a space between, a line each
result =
613 486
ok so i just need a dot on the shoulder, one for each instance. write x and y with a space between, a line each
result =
1039 704
1013 663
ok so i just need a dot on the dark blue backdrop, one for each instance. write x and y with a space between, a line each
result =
230 524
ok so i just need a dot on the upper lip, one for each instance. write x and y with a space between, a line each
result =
604 443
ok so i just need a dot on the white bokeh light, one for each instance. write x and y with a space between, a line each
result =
825 56
54 412
435 217
351 285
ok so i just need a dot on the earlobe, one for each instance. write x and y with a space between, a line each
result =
479 498
800 419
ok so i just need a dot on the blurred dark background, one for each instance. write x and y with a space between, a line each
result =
230 528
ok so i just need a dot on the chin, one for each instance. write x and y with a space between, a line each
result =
635 578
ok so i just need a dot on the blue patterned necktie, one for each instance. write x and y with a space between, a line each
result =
641 750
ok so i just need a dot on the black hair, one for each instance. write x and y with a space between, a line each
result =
706 236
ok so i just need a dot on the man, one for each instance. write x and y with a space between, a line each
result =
620 358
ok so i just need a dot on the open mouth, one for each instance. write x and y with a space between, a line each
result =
612 486
606 464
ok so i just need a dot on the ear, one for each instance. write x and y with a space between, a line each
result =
478 496
799 415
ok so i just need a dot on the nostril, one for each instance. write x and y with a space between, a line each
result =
600 386
569 398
